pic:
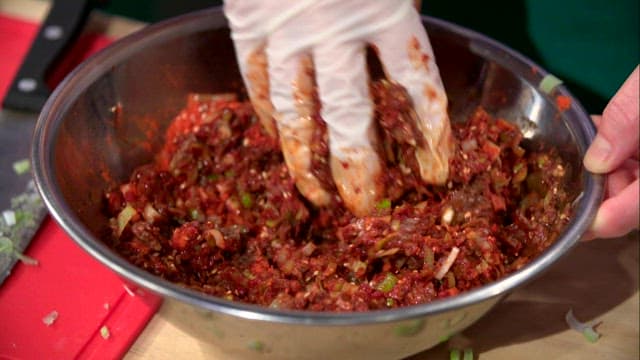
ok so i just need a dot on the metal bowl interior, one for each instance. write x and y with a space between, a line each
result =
81 146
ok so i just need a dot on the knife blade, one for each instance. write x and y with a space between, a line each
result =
21 208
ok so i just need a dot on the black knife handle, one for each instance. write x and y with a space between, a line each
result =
64 22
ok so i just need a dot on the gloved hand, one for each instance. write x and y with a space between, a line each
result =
282 44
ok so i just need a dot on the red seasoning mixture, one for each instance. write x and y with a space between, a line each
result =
218 212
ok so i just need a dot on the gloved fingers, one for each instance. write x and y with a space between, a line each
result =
291 93
359 180
249 34
253 63
407 58
347 109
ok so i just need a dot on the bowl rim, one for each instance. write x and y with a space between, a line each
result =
86 73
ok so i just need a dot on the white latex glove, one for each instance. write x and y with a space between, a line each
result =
279 44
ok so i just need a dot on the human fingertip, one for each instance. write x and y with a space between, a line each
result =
595 230
597 156
357 179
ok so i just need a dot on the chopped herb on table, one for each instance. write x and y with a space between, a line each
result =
104 332
18 222
586 329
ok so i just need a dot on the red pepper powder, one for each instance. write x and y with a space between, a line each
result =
563 102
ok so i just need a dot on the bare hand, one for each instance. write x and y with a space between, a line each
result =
614 152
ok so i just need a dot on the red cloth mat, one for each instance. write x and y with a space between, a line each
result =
98 317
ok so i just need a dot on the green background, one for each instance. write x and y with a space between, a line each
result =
592 45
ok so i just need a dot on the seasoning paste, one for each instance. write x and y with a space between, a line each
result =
218 212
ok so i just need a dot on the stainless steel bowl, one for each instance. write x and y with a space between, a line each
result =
81 144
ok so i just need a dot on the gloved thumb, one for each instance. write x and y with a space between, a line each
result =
617 137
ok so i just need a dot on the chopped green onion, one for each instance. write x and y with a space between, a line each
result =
542 161
27 260
380 243
214 238
50 318
548 83
429 257
124 217
447 215
299 215
9 217
256 345
446 265
248 274
195 214
519 151
451 280
271 223
586 329
128 290
150 214
468 354
517 167
454 354
504 137
227 115
21 166
25 218
535 183
359 267
547 199
519 172
246 200
390 302
7 247
591 335
308 249
384 204
388 252
469 145
276 303
395 224
104 332
387 283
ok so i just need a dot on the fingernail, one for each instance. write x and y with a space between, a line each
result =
597 154
596 227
